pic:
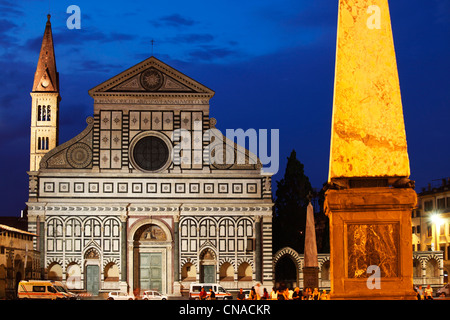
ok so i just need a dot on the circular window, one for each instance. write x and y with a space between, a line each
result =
150 153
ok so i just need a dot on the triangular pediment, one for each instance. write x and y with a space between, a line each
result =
151 76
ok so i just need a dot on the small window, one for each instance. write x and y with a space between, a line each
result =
51 289
49 118
38 288
428 205
250 244
441 203
39 113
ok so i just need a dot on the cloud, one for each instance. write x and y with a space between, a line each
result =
174 20
96 66
211 53
192 38
10 9
77 37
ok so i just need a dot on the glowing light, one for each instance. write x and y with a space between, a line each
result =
436 219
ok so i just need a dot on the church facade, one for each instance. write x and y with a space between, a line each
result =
136 200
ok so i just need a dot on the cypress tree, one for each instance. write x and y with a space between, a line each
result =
290 206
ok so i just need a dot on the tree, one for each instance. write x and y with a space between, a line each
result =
290 206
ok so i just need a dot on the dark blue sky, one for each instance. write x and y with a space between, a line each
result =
270 62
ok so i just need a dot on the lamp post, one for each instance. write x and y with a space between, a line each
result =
437 221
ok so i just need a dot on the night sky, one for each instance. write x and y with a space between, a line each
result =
270 62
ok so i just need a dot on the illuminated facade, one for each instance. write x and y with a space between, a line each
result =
115 210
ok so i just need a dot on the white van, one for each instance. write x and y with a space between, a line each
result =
39 289
61 287
219 291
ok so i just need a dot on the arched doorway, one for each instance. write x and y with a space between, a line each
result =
286 272
92 271
287 264
208 266
151 264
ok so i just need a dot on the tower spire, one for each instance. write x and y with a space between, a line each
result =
46 78
45 102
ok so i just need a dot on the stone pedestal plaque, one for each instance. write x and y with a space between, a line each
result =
371 244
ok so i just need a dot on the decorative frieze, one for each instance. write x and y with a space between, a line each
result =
150 188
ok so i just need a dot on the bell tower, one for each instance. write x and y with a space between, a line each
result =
45 102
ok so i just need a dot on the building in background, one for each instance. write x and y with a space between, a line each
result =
18 260
431 231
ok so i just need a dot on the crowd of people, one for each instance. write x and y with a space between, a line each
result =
283 293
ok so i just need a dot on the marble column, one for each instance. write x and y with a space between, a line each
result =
258 249
176 256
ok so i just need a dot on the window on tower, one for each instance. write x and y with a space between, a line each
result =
43 143
44 113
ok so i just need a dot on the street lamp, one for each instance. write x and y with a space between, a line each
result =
437 220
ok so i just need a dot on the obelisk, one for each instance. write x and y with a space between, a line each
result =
311 264
369 197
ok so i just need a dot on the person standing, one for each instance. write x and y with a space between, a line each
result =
241 295
253 295
212 294
273 294
265 295
297 295
316 294
203 294
429 293
280 293
420 293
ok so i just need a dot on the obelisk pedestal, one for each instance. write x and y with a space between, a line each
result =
369 198
371 243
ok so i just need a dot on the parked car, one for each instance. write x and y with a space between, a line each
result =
153 295
219 291
118 295
445 290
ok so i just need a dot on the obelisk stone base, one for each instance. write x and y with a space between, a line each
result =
310 277
370 242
